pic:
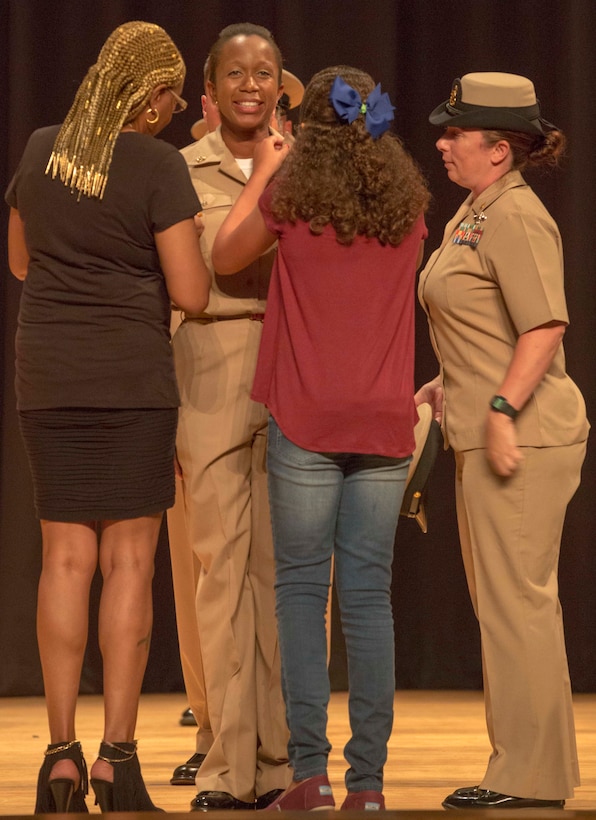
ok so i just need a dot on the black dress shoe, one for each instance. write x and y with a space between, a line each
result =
187 718
185 774
212 801
473 797
267 799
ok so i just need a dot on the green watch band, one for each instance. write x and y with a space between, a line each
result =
500 405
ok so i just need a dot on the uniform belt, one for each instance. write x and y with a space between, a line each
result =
207 320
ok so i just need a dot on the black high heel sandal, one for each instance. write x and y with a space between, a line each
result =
59 795
128 791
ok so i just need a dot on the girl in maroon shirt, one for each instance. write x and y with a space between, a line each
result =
336 370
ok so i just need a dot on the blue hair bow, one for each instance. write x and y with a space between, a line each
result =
348 105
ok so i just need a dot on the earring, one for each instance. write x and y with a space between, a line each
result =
155 113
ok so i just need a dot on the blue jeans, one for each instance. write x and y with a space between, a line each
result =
346 505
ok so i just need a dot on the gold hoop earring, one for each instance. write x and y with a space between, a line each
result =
155 112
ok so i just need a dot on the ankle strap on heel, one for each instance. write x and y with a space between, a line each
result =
66 750
128 791
114 753
63 746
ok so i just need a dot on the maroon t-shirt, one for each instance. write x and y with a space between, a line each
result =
336 362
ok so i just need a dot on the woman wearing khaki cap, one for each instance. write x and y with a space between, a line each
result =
494 296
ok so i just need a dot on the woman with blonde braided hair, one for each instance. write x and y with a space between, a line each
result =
137 59
102 234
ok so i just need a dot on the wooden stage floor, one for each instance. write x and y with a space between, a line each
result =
438 744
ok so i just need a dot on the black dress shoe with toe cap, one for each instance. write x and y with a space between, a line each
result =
473 797
184 775
216 801
187 718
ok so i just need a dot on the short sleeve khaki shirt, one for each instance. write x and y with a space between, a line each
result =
480 299
219 181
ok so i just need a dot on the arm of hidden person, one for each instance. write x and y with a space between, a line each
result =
420 255
244 236
187 278
18 255
432 393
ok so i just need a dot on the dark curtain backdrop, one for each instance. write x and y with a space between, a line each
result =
415 49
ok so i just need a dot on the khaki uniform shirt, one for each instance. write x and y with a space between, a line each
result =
480 299
218 181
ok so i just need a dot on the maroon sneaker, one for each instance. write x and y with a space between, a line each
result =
364 801
312 794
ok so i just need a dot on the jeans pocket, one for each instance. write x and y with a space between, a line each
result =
281 448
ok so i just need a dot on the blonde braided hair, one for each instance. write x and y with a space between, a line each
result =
134 60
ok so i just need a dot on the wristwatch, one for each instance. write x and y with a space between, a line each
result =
500 405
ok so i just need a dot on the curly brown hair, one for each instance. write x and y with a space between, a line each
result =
337 174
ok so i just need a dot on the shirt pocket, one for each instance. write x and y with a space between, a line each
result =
212 200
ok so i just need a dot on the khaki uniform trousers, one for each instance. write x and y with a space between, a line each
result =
185 576
510 531
221 446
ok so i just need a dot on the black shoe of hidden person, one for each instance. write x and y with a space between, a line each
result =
185 774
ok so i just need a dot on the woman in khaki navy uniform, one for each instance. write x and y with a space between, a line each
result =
493 293
221 446
185 566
